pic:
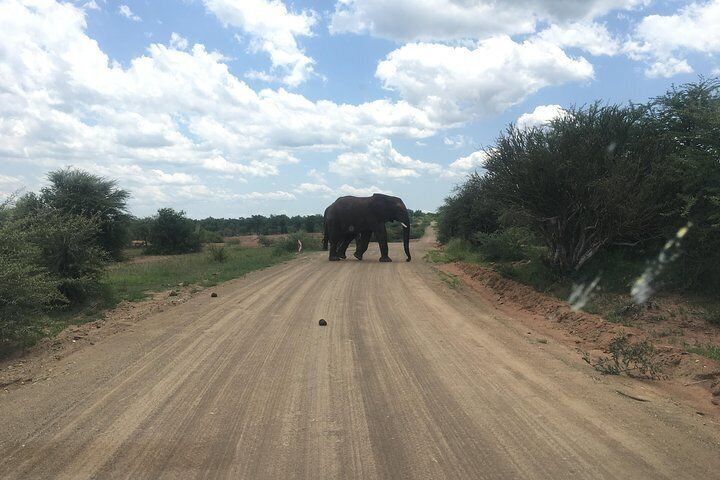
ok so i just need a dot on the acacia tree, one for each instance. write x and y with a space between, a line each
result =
593 177
687 120
77 192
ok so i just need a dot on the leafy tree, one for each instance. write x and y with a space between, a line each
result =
687 121
172 232
78 192
595 177
468 211
27 289
67 250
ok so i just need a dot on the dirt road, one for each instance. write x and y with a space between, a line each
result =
410 379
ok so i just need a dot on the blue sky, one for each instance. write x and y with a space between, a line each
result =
236 107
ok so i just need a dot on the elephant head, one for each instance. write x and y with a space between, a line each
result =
393 209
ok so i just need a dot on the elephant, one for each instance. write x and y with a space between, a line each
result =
350 216
362 240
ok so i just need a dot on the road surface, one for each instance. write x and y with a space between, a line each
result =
410 379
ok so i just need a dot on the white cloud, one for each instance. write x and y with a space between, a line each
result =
220 164
322 190
410 20
63 101
178 42
381 161
589 36
464 165
125 11
540 116
91 5
453 84
277 195
662 40
272 29
346 189
319 188
668 67
457 141
176 178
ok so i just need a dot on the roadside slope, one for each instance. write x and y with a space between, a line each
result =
410 379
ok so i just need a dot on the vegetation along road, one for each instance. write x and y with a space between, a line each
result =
409 379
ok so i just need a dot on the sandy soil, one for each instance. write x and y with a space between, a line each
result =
410 379
591 334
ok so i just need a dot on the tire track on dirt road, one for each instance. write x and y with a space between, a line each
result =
410 379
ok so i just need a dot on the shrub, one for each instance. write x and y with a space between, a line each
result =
207 236
636 359
67 250
264 241
289 243
171 232
26 288
594 177
217 253
459 250
506 245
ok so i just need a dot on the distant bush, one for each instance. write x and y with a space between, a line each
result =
207 236
171 232
264 241
289 243
217 253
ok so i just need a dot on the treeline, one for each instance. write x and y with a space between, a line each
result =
602 184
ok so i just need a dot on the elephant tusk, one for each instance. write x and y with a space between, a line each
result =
299 246
401 223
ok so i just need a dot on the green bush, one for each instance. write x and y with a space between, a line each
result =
217 253
68 251
506 245
171 232
207 236
289 243
264 241
27 289
459 250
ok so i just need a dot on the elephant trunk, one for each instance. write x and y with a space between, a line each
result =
406 240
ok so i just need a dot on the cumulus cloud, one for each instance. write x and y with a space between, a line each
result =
589 36
178 42
433 20
63 101
277 195
314 188
453 84
272 29
540 116
663 40
380 160
457 141
464 165
125 11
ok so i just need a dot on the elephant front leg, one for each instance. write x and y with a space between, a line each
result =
382 241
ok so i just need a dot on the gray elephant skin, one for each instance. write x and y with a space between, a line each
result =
359 217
